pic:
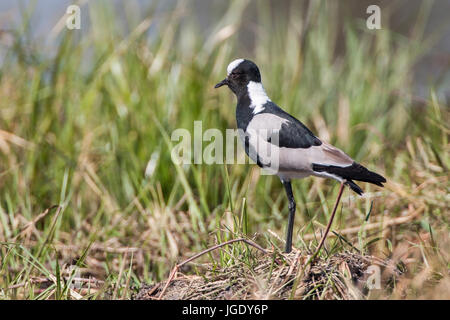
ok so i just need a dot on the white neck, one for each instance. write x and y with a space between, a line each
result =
258 96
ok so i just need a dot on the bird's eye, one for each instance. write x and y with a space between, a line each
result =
234 75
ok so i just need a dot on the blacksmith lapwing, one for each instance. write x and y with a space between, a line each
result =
299 152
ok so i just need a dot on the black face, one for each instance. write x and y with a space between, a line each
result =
240 76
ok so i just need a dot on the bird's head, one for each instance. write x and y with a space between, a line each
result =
239 73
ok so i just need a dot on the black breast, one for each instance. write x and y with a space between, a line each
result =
244 113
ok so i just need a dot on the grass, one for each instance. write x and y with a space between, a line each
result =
79 127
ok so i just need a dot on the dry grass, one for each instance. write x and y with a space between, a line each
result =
79 220
341 276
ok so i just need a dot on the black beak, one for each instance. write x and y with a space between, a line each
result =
221 83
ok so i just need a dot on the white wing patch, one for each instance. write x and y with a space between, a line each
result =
233 64
258 96
328 175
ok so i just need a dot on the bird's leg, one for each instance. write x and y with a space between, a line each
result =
288 187
341 189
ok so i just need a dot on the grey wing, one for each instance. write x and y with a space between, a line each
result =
298 153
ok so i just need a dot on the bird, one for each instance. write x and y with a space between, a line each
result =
299 153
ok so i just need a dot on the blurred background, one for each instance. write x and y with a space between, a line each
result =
43 16
85 113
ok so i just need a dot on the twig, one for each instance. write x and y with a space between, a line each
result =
31 224
44 280
175 269
341 189
374 225
95 247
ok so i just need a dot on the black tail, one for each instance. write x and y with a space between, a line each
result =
353 172
354 187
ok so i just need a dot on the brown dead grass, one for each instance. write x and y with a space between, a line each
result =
341 276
